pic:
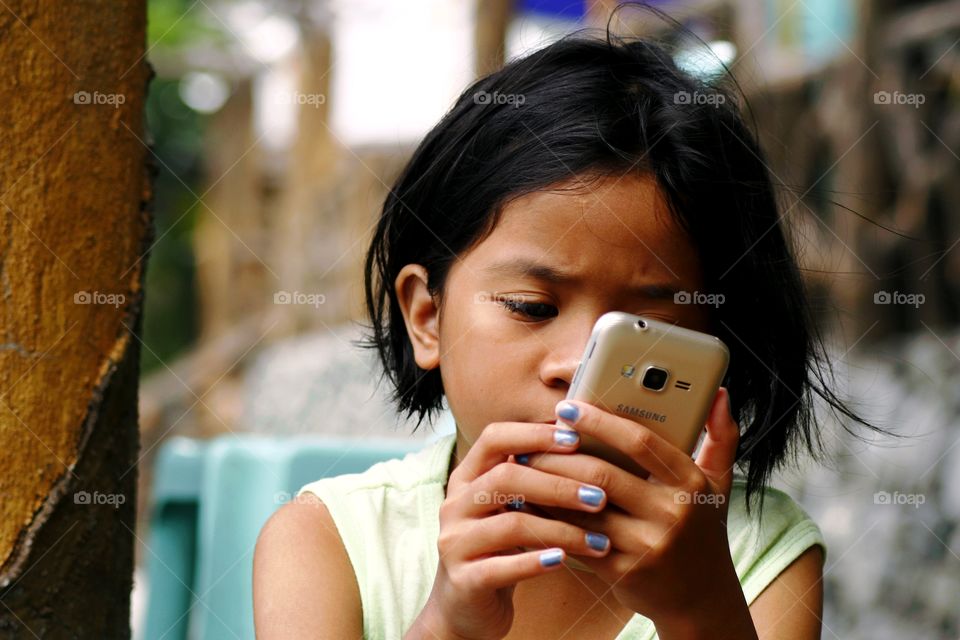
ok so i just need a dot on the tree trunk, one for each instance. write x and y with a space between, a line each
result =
74 231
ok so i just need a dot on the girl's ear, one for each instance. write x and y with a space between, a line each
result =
420 313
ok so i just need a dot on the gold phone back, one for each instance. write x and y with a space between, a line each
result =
611 377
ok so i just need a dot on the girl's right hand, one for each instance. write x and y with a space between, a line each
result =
480 560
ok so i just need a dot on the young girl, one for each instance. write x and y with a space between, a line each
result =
588 176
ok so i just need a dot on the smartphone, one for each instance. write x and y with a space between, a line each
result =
660 375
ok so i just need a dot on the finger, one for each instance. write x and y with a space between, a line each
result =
509 483
506 531
499 440
627 533
663 460
497 572
718 453
632 494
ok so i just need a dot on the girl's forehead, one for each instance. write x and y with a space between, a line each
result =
612 214
614 231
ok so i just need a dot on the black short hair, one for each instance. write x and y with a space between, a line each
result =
609 105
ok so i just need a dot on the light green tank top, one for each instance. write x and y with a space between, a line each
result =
388 519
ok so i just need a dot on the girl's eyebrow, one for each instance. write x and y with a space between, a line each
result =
522 267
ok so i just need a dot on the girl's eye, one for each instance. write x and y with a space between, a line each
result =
537 310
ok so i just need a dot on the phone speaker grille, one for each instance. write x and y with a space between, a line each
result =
683 385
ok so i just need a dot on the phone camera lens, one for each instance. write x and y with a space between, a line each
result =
642 324
654 378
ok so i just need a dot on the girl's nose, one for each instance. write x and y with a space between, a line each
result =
557 370
563 355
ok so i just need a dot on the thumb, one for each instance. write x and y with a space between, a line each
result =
719 449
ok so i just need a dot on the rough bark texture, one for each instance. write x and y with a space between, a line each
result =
74 228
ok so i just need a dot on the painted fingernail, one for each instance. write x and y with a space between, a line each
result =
568 412
514 505
597 541
566 437
551 558
523 458
592 496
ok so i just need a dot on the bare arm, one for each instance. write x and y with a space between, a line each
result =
303 582
791 607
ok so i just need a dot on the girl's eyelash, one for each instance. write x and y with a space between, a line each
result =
525 308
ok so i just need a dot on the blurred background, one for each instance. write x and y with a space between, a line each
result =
278 126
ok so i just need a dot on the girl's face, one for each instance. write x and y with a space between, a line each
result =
519 306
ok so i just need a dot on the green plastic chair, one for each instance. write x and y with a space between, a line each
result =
211 498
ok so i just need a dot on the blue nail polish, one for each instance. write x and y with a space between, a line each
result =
513 506
566 437
568 412
551 558
597 541
590 495
523 458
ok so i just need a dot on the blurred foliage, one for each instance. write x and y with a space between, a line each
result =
171 314
178 23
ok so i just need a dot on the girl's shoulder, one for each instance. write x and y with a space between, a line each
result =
387 521
425 467
370 509
765 542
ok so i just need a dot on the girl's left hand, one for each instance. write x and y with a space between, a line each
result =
670 556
